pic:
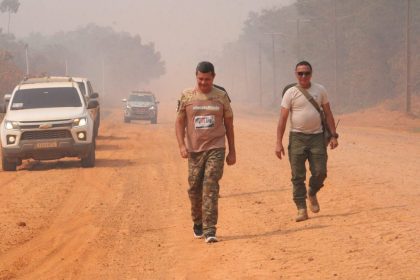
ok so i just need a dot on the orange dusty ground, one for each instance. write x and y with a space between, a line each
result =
128 218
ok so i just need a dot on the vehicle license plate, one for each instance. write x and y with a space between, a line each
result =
44 145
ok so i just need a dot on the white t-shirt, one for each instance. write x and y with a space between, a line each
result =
303 115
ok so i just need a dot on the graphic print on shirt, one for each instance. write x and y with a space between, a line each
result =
204 122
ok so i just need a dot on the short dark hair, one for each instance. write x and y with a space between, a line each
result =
304 62
205 67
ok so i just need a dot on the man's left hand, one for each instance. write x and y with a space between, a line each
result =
333 143
231 158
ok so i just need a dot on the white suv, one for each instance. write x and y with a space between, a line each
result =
86 89
47 119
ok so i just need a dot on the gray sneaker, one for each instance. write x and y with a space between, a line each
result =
313 203
210 238
302 215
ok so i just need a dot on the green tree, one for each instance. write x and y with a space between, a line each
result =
9 6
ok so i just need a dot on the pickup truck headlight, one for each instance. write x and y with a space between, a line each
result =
80 122
152 108
11 125
128 107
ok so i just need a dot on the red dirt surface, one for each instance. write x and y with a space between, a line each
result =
128 218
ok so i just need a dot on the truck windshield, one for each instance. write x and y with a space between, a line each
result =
140 98
45 98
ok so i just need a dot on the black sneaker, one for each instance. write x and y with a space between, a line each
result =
198 231
211 238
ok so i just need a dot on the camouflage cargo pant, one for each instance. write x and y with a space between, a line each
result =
205 169
309 147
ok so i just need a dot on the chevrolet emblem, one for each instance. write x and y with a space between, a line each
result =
45 126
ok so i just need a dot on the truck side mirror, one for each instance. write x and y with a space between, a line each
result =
7 97
93 104
94 95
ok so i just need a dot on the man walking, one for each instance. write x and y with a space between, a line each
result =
203 120
306 139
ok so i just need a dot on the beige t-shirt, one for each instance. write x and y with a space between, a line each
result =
303 115
205 115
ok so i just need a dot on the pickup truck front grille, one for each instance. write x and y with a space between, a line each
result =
35 126
45 134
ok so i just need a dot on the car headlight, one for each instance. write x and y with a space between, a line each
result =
128 107
152 108
11 125
80 122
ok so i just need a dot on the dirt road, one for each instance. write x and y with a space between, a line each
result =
128 218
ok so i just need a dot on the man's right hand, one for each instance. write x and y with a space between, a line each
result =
183 151
279 150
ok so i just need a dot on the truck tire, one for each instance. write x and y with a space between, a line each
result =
153 120
127 120
7 165
89 160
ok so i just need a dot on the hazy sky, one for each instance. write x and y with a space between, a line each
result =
184 31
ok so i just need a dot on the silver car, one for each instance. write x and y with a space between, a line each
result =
141 105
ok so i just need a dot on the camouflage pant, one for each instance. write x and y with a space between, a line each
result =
205 169
309 147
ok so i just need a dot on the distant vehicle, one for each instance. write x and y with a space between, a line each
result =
141 105
47 119
87 91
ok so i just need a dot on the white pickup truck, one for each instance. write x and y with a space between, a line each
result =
47 119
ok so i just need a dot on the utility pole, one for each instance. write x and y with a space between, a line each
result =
298 39
260 73
274 69
335 48
27 60
103 76
298 22
246 73
273 34
407 53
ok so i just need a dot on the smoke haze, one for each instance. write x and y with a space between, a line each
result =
184 32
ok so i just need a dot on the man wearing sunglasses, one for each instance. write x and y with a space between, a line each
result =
306 139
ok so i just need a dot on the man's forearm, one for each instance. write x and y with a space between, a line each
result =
230 134
180 131
280 131
281 127
331 123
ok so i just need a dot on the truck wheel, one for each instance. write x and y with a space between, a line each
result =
126 120
153 120
89 160
7 165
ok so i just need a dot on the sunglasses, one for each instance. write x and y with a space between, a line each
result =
301 74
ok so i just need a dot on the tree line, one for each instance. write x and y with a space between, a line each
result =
358 50
116 62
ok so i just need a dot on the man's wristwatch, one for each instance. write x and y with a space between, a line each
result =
335 135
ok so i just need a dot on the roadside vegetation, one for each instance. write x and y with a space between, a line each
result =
358 50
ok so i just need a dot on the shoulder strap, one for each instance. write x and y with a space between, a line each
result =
223 89
309 97
287 87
